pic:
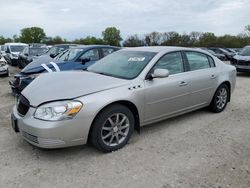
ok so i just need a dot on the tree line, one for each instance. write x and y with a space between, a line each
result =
112 36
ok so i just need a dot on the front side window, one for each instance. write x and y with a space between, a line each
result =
93 55
172 62
26 50
197 61
123 64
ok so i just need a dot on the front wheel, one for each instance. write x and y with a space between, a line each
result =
220 99
112 128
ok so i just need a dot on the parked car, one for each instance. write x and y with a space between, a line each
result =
4 69
30 54
2 52
242 60
12 51
229 55
222 57
49 56
37 45
128 89
75 58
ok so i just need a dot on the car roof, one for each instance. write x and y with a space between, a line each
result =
94 46
16 44
158 49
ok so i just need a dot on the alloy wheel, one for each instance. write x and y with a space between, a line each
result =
115 129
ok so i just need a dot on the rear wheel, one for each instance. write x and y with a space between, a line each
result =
112 128
220 99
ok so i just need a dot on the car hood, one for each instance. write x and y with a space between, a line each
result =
68 85
241 57
35 66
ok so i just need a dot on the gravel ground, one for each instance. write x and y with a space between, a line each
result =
200 149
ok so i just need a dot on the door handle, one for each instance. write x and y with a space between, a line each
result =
183 83
213 76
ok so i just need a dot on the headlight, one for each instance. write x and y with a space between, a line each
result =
56 111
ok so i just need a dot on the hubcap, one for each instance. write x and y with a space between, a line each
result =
221 98
115 129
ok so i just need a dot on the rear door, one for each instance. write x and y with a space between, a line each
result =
202 78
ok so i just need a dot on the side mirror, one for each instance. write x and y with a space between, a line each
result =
160 73
85 60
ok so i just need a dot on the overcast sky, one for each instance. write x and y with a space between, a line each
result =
79 18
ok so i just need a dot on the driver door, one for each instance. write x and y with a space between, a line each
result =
167 96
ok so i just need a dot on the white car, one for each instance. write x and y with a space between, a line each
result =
12 51
4 68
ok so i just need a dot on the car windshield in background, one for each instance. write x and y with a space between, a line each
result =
245 51
16 48
123 64
37 51
69 55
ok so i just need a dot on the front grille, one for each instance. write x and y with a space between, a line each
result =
30 137
240 62
23 105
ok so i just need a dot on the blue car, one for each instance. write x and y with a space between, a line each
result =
75 58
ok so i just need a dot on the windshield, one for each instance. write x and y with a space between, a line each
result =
37 51
17 48
70 54
123 64
245 51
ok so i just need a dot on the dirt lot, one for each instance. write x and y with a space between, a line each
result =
200 149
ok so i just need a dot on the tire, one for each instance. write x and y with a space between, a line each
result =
7 74
112 128
220 99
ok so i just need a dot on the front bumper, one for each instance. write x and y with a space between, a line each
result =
3 69
18 84
47 134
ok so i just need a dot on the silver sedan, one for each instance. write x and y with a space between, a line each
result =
117 95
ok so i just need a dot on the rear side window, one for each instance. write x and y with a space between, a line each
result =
172 61
107 51
197 61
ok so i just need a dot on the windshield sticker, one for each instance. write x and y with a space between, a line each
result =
135 59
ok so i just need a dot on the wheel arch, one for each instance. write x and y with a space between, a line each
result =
228 84
130 105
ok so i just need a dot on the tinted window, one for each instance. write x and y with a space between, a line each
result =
197 61
173 62
107 51
93 55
